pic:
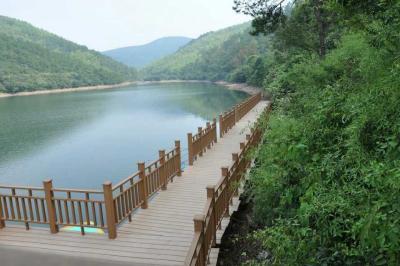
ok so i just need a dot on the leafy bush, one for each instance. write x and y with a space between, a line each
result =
327 184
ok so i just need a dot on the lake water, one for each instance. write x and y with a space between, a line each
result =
82 139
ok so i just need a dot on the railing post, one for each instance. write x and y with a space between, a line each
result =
190 148
143 187
215 129
224 174
248 136
220 126
242 145
110 210
51 207
199 228
199 131
211 196
163 176
2 222
179 159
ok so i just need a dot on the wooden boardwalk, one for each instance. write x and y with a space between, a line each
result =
159 235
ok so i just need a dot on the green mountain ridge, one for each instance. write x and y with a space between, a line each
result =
142 55
221 55
33 59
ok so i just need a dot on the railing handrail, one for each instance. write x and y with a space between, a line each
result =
221 192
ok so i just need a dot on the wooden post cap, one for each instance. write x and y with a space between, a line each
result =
235 157
199 217
107 183
177 143
210 191
224 171
242 145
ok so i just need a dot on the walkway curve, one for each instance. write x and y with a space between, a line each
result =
159 235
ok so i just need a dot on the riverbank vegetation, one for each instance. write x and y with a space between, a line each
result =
33 59
326 184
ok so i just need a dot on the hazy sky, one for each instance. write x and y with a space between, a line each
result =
107 24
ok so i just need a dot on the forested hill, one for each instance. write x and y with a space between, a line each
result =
33 59
142 55
228 54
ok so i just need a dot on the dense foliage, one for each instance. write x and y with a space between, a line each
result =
327 181
33 59
230 54
142 55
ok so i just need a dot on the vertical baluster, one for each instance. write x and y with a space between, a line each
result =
221 126
178 157
94 214
73 210
121 201
80 215
162 170
60 213
2 216
200 141
17 199
36 204
25 213
208 140
190 148
101 216
224 174
87 198
5 206
66 211
31 215
11 201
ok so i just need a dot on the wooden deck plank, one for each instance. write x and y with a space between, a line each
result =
159 235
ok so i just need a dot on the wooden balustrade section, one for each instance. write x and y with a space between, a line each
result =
226 122
243 108
104 209
219 198
228 119
107 208
203 140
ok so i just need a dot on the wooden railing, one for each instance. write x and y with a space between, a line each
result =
107 208
103 209
228 119
243 108
219 198
200 142
226 122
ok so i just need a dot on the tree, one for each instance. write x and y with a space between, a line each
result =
269 15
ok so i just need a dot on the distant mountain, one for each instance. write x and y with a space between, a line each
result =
228 54
141 55
33 59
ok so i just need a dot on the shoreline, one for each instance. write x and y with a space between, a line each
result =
230 86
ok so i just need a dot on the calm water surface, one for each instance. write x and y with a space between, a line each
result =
82 139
